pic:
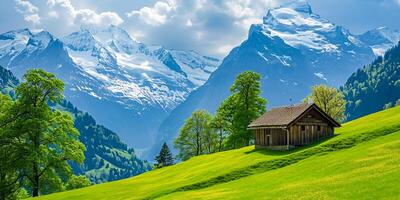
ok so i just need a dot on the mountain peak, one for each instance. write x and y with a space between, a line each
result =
300 6
291 13
82 40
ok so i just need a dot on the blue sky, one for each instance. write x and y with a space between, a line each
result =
211 27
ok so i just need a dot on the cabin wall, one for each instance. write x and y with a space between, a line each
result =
270 137
310 127
302 134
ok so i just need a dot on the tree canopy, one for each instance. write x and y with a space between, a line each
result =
243 106
330 100
192 136
41 139
203 133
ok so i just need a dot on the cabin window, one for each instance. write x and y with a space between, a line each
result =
303 128
319 128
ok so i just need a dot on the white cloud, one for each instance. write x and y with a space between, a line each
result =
210 26
397 1
156 15
81 16
29 11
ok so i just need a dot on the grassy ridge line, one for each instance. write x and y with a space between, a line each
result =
264 166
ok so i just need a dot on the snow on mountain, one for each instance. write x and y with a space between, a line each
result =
297 25
293 49
127 85
380 39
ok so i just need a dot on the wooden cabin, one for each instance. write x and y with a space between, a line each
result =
284 128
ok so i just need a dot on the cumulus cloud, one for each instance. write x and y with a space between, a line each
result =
209 26
28 10
155 15
81 16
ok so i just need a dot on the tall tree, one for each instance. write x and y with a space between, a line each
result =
9 158
164 158
47 137
243 106
330 100
190 141
221 124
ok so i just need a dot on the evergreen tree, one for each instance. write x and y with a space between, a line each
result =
371 87
165 157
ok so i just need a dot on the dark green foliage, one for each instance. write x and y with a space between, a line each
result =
203 134
103 146
76 182
9 178
165 157
375 86
40 140
243 106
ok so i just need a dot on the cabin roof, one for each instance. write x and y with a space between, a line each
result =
284 116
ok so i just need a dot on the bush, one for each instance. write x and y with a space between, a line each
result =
76 182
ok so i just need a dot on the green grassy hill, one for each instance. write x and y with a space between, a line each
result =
362 161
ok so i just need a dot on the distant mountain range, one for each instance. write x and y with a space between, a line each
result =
145 92
107 158
293 49
380 39
126 85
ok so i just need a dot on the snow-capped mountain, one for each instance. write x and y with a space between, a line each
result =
380 39
128 86
293 49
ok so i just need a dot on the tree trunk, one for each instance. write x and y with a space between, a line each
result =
220 140
35 189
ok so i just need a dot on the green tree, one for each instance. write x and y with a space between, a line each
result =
190 141
243 106
47 137
165 157
76 182
220 127
330 100
9 158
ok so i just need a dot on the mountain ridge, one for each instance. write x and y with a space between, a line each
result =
107 70
293 49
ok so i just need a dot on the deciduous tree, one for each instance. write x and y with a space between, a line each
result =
46 137
243 106
190 141
330 100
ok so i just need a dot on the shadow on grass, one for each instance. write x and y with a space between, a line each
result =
316 149
285 152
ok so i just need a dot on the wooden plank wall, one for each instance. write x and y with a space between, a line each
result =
276 136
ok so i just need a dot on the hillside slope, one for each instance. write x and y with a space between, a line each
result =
107 158
379 79
293 50
363 156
